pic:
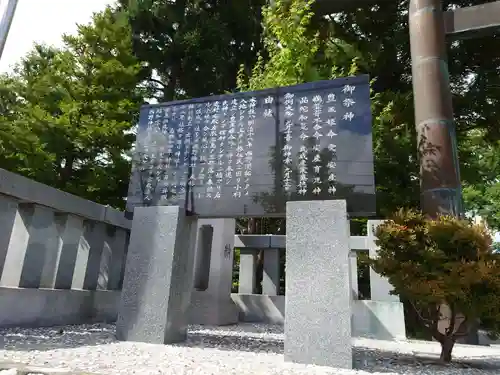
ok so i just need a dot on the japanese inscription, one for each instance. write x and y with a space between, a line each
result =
247 154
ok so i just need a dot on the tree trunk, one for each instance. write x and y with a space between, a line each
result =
446 349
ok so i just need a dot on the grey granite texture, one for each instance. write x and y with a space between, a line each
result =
318 295
42 240
212 303
271 275
8 214
18 247
27 190
247 279
158 276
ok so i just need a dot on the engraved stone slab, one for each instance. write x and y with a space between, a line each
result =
318 295
158 277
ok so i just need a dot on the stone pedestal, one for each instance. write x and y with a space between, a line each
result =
118 248
158 277
72 242
318 292
211 302
8 216
246 279
271 275
33 249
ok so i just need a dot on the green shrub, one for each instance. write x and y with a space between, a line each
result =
446 269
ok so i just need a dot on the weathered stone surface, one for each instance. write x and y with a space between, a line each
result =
318 294
158 276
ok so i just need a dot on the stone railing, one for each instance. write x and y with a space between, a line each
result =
382 316
60 249
62 261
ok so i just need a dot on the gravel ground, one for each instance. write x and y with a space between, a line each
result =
243 349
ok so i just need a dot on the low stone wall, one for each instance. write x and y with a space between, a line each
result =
48 307
372 319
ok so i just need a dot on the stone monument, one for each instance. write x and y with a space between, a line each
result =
304 152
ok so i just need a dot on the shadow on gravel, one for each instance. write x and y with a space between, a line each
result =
372 360
229 339
23 339
232 343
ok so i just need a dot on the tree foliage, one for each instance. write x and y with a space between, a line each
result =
194 48
66 112
445 268
382 32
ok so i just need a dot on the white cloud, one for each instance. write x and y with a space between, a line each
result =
44 21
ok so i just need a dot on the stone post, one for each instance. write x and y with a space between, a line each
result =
248 262
318 295
203 256
72 243
212 303
158 276
380 287
88 258
118 257
353 266
33 248
10 220
271 275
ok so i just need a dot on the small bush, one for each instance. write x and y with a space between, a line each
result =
446 269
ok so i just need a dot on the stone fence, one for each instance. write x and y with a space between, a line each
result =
61 256
62 260
380 317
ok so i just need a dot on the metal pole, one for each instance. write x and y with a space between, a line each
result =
6 22
439 167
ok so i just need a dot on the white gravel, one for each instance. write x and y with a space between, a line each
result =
240 350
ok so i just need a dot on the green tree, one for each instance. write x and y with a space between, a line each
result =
75 106
447 271
194 48
382 32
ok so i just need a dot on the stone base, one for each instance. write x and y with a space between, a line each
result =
378 320
258 308
207 310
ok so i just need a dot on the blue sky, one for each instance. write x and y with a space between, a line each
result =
44 21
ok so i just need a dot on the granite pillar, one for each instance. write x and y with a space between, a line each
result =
203 256
118 257
353 266
18 243
212 303
221 260
106 259
40 256
54 251
380 287
158 276
271 274
248 263
8 215
73 242
318 295
88 258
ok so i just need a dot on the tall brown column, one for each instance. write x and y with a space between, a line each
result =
439 167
